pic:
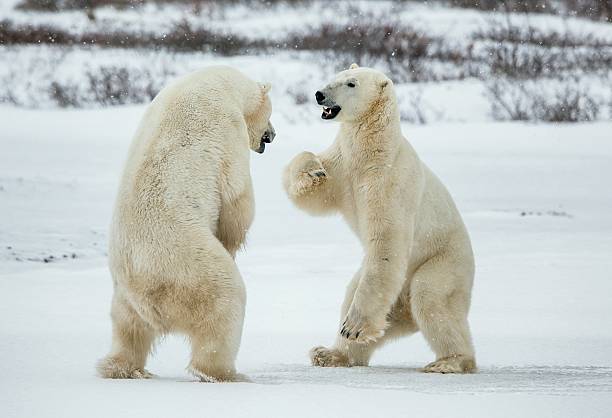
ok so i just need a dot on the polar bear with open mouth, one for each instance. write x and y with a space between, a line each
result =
418 267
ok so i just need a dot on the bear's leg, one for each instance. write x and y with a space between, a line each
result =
214 351
440 299
215 327
347 353
132 341
338 355
214 347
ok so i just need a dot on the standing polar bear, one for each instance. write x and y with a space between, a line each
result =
183 209
418 267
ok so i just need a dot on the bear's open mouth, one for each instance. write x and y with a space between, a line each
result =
330 112
267 138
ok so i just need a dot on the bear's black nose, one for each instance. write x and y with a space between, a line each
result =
320 97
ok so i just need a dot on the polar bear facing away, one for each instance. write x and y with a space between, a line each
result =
418 266
184 205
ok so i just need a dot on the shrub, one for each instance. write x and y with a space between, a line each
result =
57 5
182 37
413 111
39 5
565 102
593 9
515 6
11 34
569 103
299 96
64 94
115 85
523 51
405 52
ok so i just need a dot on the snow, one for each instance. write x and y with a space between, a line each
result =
537 202
536 199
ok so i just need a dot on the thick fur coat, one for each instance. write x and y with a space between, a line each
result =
418 266
183 209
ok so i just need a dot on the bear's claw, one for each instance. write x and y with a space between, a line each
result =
317 173
361 329
309 180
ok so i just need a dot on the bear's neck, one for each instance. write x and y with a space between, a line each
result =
378 132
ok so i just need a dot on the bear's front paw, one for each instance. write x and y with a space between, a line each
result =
305 173
362 328
308 181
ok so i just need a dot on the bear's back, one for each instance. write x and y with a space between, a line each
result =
171 177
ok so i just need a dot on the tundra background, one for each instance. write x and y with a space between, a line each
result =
509 102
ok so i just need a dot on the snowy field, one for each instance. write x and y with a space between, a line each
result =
536 198
537 202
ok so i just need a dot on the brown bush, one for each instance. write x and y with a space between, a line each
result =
64 94
182 37
593 9
11 34
58 5
516 101
523 51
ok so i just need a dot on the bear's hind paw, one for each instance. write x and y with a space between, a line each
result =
221 377
452 364
113 368
325 357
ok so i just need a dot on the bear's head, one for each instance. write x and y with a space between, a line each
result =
261 131
353 94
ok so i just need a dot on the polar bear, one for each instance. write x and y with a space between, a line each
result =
183 209
418 267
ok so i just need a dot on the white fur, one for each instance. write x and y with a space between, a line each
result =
183 209
418 267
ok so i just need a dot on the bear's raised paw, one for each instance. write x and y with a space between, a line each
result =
307 182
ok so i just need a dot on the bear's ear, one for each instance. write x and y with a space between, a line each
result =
265 87
353 66
385 83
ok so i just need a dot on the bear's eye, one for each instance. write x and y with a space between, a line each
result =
350 84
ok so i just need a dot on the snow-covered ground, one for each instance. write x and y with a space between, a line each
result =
42 76
537 202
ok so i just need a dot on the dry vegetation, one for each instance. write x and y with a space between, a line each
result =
536 76
507 56
560 102
594 9
182 37
60 5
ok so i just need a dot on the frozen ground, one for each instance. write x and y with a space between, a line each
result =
537 202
